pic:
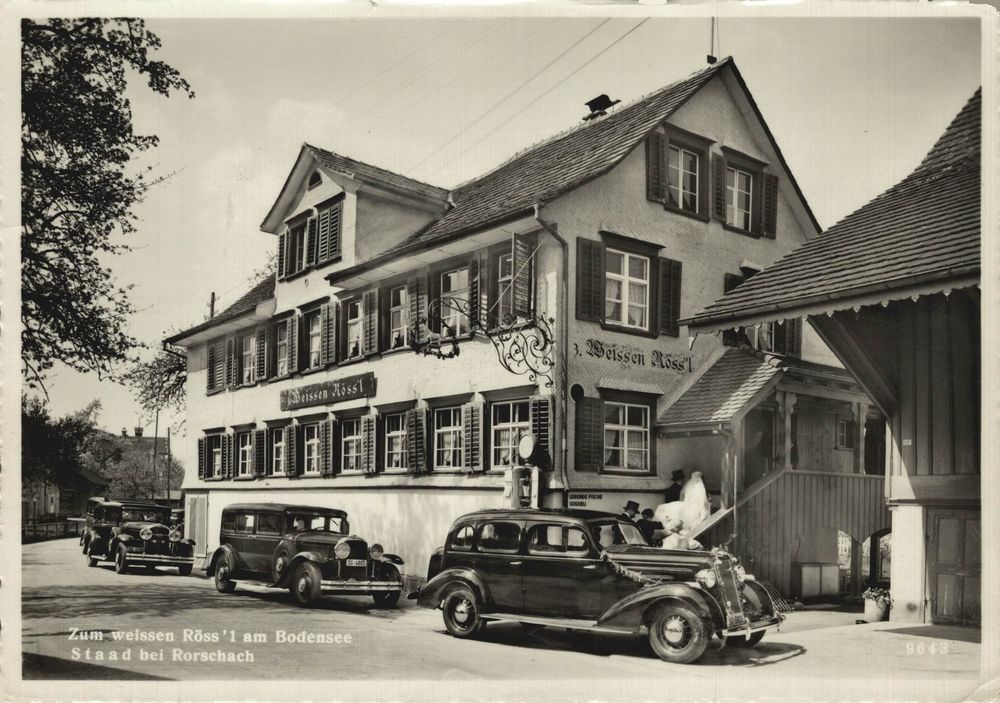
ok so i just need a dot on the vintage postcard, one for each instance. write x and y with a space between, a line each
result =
556 352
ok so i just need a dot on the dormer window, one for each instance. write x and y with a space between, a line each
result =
315 180
313 241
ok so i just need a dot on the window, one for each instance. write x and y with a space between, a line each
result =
245 443
447 438
214 446
395 441
505 289
511 421
626 437
350 442
241 523
281 349
297 247
399 317
247 358
627 289
683 177
310 446
461 540
739 188
353 339
455 302
559 540
503 537
277 451
268 523
845 434
313 339
314 180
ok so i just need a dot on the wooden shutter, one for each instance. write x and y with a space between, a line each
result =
332 464
328 333
291 456
323 236
541 423
656 177
227 456
369 312
416 294
210 376
416 441
202 458
589 434
589 280
472 437
260 452
272 349
282 253
336 220
719 194
323 444
232 373
794 336
293 343
770 209
670 296
261 353
310 255
476 286
521 251
368 451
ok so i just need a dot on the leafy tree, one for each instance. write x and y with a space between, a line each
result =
134 475
53 449
77 191
159 382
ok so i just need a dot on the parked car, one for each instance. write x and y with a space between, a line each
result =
591 571
135 532
310 551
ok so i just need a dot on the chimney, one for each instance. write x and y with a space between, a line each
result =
599 106
124 432
138 432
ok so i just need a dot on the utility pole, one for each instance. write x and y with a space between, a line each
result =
169 458
156 438
211 306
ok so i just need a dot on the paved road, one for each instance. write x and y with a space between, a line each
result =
357 641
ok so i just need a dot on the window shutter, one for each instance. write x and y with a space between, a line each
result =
670 296
282 253
336 219
210 376
290 453
227 456
310 255
472 437
202 458
369 307
541 423
293 343
416 293
259 452
476 287
324 447
589 280
417 460
770 209
261 353
590 434
719 194
323 228
328 332
656 181
332 465
232 374
368 452
795 336
521 252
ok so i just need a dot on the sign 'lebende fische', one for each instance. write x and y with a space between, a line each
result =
350 388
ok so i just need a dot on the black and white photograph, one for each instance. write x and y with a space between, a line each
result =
530 352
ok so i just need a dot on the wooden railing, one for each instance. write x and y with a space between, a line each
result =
37 529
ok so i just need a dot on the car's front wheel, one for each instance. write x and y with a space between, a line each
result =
121 559
224 576
677 634
461 613
385 599
306 584
744 641
91 559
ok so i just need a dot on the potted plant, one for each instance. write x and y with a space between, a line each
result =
877 603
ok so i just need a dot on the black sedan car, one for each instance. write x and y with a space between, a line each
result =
308 550
591 571
135 532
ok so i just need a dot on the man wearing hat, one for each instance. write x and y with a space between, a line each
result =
674 489
629 512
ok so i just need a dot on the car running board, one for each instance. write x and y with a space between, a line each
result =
570 623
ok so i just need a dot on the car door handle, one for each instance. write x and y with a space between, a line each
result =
515 563
590 566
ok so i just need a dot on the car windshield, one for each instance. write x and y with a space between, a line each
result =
316 523
613 532
143 515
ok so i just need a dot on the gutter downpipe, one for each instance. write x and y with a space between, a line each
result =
564 473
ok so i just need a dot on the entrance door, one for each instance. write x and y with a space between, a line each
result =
953 565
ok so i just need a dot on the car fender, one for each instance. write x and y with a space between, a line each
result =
395 559
629 611
430 595
219 552
762 595
286 573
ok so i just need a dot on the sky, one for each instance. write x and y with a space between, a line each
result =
854 104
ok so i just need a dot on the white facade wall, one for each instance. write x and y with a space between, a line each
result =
908 564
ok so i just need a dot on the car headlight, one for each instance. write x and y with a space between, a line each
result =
175 536
342 550
376 551
146 533
706 577
741 573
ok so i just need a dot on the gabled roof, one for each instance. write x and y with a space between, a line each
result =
924 231
344 164
247 303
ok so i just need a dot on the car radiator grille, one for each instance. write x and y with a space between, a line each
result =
729 588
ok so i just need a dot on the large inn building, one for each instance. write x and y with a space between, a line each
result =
413 334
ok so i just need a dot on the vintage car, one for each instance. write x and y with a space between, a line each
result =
135 532
591 571
310 551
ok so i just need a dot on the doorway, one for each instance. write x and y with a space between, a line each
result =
954 565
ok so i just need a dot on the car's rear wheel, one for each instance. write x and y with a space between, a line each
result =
385 599
306 584
224 575
744 641
677 634
121 559
461 613
184 569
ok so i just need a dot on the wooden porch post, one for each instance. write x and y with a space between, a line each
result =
855 566
787 410
860 417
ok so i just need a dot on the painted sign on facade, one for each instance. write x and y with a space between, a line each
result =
361 386
629 356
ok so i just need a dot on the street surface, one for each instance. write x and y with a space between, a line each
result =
347 638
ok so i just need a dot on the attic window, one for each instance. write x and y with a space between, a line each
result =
314 180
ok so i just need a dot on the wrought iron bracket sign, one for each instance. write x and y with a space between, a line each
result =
349 388
524 344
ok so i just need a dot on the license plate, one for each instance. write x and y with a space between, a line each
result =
357 562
